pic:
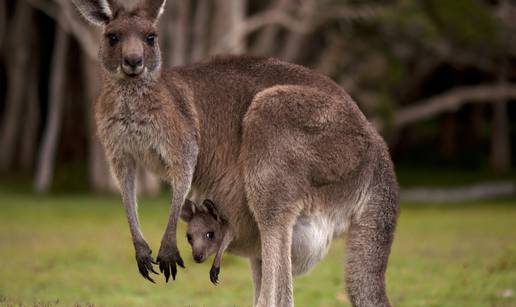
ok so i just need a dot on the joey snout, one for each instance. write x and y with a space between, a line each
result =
199 256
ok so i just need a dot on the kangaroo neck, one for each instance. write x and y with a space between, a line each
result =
133 85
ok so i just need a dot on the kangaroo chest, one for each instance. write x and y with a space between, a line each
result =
132 130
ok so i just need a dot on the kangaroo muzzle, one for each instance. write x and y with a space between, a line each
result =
132 53
132 65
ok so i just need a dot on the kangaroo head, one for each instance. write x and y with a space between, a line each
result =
129 47
204 232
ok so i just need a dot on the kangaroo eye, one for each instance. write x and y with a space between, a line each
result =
210 235
150 39
113 39
189 237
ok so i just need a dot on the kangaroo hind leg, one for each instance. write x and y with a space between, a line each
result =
369 244
275 211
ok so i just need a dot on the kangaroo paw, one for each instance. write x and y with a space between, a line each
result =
214 275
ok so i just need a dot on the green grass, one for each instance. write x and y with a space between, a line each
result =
75 250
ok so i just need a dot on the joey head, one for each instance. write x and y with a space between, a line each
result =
207 233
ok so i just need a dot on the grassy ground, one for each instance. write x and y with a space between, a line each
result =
76 250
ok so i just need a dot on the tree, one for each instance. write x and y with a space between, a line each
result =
17 65
48 148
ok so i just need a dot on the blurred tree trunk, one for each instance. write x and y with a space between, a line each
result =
229 18
267 38
293 47
179 32
100 176
200 30
17 67
30 131
500 159
3 23
48 148
448 136
473 133
331 57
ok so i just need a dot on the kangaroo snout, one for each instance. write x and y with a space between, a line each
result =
133 65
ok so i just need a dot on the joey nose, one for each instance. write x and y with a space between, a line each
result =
197 258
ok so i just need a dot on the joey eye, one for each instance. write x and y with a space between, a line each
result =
210 235
113 38
150 39
189 237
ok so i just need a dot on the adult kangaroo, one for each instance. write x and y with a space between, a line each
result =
284 152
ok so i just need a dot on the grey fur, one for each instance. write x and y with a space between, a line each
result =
273 144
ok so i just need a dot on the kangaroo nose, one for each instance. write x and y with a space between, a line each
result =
133 61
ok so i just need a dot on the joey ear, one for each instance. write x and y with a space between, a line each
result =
187 211
98 12
212 209
154 8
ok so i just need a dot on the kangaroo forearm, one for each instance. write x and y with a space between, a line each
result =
130 206
215 267
179 195
228 237
125 171
218 258
132 219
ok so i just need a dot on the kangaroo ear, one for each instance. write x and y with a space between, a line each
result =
154 8
98 12
187 211
211 209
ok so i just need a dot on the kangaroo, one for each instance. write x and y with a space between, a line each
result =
284 153
207 233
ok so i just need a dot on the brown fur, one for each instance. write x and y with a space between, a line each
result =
284 152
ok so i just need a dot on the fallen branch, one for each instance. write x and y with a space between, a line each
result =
473 192
450 101
349 14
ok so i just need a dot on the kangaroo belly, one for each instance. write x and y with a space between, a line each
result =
311 241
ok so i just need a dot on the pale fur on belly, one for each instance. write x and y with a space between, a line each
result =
311 241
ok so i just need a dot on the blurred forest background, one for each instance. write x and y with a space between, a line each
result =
437 77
